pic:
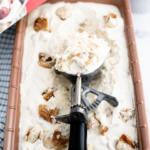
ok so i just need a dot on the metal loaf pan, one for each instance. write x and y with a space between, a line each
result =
11 140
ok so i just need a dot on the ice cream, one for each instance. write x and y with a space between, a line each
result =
82 53
72 34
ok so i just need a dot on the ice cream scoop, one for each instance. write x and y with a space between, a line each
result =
80 106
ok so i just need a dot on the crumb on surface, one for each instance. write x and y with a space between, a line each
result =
127 114
47 94
103 130
32 135
41 24
63 12
48 114
89 61
57 140
111 20
45 60
125 143
113 15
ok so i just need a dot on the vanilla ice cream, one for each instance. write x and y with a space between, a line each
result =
80 37
80 54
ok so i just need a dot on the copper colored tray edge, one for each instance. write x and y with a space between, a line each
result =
13 110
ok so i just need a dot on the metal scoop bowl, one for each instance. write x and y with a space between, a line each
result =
86 78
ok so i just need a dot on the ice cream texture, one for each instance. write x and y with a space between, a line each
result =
82 53
79 36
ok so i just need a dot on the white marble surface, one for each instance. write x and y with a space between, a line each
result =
142 32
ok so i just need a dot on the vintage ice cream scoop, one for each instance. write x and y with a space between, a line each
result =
80 106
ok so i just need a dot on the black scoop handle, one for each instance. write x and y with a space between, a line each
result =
78 127
78 136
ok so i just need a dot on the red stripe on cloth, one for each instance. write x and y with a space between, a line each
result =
32 4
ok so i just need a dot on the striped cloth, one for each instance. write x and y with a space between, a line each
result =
6 51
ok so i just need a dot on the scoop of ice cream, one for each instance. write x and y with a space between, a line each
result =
80 53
